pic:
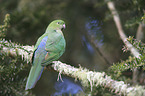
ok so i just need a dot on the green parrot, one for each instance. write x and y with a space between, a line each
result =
49 47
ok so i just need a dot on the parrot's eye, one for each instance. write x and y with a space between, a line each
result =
58 22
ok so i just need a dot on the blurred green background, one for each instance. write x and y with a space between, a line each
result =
91 35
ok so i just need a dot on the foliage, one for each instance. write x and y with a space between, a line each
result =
132 22
131 62
3 28
12 68
134 9
138 45
143 18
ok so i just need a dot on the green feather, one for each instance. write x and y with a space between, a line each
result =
34 74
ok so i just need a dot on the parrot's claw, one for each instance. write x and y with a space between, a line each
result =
59 76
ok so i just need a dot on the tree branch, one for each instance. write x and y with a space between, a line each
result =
88 78
117 21
13 49
140 31
132 49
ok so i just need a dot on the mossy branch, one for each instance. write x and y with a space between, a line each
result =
88 78
13 50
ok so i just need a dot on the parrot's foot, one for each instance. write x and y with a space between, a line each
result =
59 76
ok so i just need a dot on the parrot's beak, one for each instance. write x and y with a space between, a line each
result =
63 26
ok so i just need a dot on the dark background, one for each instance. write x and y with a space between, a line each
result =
92 39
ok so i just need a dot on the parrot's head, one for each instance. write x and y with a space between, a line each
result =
57 24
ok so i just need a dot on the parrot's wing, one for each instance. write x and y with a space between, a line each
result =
37 44
49 58
54 47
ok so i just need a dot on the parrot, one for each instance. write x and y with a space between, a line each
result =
49 47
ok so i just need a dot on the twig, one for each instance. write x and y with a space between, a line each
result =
140 32
117 21
97 49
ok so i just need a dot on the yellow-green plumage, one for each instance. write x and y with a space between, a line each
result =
49 47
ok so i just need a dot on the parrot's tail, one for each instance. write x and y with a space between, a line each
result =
34 76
